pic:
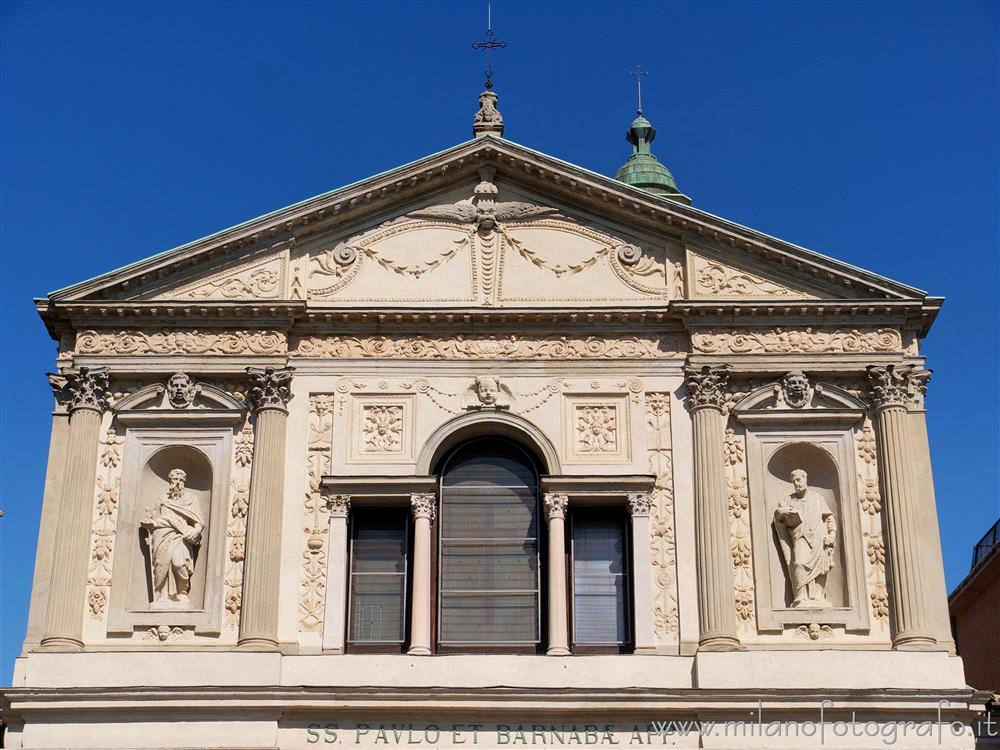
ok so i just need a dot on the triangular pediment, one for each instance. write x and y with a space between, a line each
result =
487 223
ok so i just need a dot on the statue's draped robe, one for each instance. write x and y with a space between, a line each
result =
802 545
170 554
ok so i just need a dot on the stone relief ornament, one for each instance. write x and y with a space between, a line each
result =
662 546
804 340
895 385
596 429
480 346
312 584
423 505
104 524
793 391
270 387
486 392
382 428
86 388
639 503
713 279
174 532
707 386
164 633
814 631
740 542
807 531
555 504
181 341
871 504
182 390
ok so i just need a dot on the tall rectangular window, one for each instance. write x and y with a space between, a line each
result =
378 577
600 579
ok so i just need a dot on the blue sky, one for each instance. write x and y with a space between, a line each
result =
867 131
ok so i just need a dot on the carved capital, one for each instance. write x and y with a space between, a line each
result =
338 505
423 505
707 386
270 387
895 385
639 503
555 505
86 388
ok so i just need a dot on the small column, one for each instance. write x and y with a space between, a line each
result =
87 392
335 609
893 388
423 505
269 397
716 597
555 516
639 505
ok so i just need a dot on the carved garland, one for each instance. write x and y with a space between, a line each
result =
805 340
105 519
185 341
236 525
661 522
479 346
312 587
871 504
737 489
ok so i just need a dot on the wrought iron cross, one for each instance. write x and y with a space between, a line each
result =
639 74
488 43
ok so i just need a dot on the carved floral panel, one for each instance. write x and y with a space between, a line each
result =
381 427
596 428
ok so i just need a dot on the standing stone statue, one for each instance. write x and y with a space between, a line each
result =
174 531
807 530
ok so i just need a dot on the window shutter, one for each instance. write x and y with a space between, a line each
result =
378 576
600 582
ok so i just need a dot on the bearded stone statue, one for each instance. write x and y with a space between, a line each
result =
174 529
807 531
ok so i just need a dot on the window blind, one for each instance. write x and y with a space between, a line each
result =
378 576
489 578
600 582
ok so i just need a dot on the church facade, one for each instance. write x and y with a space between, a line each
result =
489 450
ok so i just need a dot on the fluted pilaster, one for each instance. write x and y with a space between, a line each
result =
555 505
423 505
269 396
716 597
86 393
893 389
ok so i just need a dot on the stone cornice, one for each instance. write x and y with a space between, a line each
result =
407 184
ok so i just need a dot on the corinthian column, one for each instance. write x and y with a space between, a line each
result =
555 516
86 391
269 394
335 611
892 389
639 506
424 509
716 598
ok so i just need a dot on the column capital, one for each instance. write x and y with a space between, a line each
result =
338 505
639 503
707 386
270 387
897 385
423 505
85 388
555 504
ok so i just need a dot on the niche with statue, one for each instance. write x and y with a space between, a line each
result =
171 530
808 566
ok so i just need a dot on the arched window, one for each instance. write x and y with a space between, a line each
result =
489 574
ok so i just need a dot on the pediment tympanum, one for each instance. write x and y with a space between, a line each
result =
480 251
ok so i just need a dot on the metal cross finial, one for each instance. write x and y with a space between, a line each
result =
488 43
639 74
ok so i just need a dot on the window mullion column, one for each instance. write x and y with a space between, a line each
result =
334 624
555 516
642 573
424 509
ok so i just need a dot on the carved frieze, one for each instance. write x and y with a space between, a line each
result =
181 341
797 340
253 280
479 346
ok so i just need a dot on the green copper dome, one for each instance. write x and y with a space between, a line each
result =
643 170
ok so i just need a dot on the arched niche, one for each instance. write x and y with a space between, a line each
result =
824 480
488 424
154 484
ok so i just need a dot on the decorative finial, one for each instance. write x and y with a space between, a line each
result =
488 120
639 74
488 43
